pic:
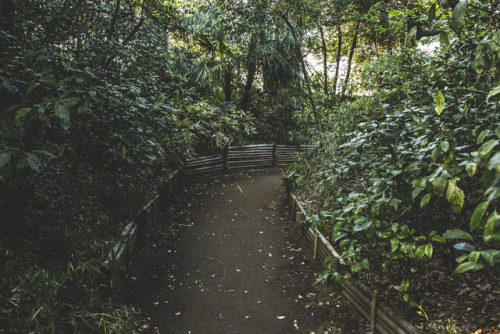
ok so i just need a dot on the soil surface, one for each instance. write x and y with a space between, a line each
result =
228 259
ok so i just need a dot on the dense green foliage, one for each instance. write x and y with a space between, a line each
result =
410 171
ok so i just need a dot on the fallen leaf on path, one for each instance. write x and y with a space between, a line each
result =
281 317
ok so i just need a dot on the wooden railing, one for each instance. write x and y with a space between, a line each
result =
234 159
240 158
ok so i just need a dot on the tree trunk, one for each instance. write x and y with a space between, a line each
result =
304 71
349 61
325 62
228 84
251 70
339 54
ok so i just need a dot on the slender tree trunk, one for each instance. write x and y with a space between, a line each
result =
349 61
339 55
113 20
251 69
228 84
304 71
325 61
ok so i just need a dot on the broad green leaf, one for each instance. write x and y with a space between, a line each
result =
445 145
494 162
477 215
428 250
464 246
62 112
455 195
487 147
33 161
425 200
394 244
457 234
494 92
482 61
4 158
444 39
494 190
466 266
471 168
482 135
497 132
458 16
92 93
438 238
492 256
439 184
474 256
492 224
417 191
21 112
419 252
438 102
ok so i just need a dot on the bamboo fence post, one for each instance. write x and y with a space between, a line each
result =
299 216
275 155
374 311
226 160
315 251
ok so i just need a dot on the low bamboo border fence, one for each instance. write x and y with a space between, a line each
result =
381 317
234 159
132 234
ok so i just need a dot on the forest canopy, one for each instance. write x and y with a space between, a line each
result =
400 98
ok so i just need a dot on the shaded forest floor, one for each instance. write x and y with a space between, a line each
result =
227 259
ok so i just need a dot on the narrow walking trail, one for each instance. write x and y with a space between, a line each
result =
231 261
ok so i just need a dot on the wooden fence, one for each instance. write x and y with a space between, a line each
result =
381 317
240 158
234 159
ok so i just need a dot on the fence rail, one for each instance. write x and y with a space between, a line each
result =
240 158
234 159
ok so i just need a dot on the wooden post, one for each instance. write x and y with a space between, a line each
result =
374 311
315 252
275 155
299 216
226 160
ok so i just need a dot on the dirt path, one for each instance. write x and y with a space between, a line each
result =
231 261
